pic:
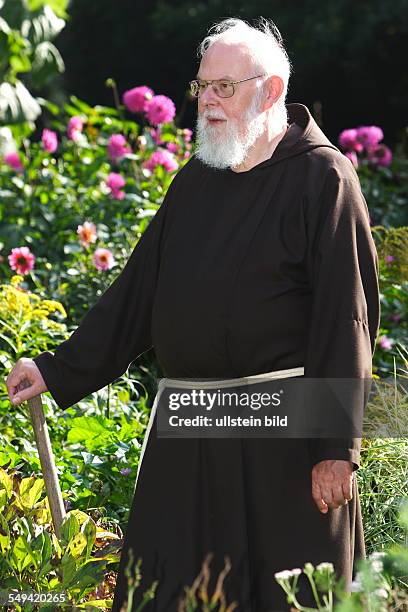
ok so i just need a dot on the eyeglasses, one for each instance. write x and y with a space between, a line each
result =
222 87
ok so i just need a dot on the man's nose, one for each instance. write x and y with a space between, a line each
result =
208 96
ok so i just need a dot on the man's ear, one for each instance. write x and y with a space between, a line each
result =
274 89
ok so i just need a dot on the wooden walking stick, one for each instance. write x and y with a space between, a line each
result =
48 467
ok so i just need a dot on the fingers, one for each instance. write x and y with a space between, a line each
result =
347 487
19 385
331 485
318 497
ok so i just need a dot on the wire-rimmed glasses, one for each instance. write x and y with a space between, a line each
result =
224 88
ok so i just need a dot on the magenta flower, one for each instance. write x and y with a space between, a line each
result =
352 155
21 260
389 259
49 140
156 136
187 134
173 147
380 155
75 127
385 342
369 136
125 471
13 160
162 158
87 233
118 147
103 259
137 99
160 109
115 182
348 141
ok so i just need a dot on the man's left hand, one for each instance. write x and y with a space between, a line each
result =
332 482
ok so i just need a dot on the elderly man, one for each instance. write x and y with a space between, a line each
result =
260 260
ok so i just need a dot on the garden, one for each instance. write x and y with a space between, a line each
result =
75 197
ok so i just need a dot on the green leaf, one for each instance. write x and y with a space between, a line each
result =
69 528
30 491
4 535
21 555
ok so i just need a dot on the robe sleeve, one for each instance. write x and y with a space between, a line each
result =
115 330
343 270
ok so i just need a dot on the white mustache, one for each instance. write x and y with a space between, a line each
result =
212 116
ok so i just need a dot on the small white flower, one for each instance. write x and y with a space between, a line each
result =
283 575
356 586
325 566
296 571
381 593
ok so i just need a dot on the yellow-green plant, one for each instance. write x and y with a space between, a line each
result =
33 560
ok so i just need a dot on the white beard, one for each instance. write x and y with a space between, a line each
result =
227 145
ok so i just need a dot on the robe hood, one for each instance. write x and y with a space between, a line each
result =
302 136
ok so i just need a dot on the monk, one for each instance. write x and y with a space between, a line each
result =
260 260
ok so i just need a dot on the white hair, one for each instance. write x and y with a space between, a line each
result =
265 45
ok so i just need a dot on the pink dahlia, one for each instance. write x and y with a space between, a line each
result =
385 342
115 182
369 136
75 127
49 140
156 136
163 158
21 260
118 147
13 160
103 259
160 109
187 134
87 233
173 147
380 155
137 99
348 141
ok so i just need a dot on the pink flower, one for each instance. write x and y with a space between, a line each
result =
75 127
87 233
160 109
186 154
385 342
137 99
155 134
187 133
103 259
369 136
13 160
352 157
348 141
162 158
21 260
380 155
115 181
389 259
118 147
173 147
49 140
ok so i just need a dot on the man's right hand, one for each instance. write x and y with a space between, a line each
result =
24 370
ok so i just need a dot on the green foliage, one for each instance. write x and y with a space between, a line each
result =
26 32
34 559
